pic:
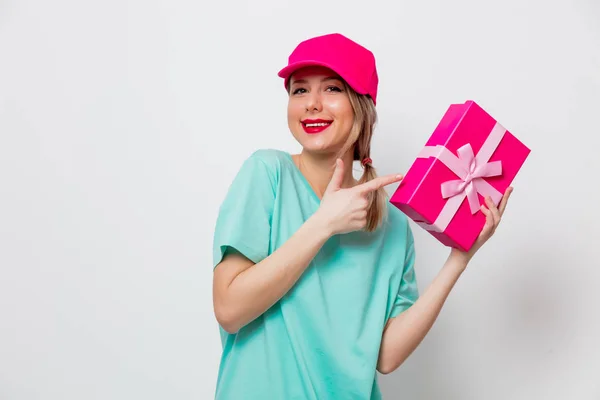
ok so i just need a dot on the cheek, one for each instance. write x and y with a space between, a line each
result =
294 111
342 110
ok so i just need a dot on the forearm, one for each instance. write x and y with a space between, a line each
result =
257 288
405 332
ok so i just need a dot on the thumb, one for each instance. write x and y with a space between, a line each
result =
338 176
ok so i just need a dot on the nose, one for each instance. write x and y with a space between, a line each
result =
313 102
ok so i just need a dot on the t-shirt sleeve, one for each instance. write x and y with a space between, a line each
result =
244 220
408 291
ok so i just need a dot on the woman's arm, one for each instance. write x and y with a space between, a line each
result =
403 333
243 290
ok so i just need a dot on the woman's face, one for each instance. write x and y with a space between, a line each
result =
320 115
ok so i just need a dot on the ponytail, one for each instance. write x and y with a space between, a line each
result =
365 118
377 200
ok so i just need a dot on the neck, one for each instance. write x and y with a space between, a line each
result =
318 169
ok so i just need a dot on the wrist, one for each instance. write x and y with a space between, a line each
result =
320 226
458 260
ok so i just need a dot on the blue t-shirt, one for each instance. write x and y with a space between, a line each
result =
321 340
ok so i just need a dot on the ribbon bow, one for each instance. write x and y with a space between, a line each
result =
471 169
471 177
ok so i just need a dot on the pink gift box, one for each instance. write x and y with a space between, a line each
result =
468 156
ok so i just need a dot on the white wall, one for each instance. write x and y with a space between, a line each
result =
123 122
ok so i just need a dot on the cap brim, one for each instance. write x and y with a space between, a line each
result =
286 72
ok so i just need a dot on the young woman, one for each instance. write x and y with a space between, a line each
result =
314 284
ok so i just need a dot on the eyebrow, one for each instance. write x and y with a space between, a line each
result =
329 78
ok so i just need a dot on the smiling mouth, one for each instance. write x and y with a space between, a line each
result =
312 126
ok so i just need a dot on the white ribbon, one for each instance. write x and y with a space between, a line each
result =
471 169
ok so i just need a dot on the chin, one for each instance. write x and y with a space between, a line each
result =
312 142
317 147
320 143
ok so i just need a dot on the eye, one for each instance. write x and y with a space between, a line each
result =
333 89
299 90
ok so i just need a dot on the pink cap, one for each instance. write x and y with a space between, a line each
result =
351 61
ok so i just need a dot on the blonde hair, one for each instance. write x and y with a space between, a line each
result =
365 118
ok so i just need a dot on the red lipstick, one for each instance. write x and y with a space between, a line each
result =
312 126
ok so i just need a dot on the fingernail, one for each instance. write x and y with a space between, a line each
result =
399 176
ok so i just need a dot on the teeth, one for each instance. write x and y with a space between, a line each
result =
318 124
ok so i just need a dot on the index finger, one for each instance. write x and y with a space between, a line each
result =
378 183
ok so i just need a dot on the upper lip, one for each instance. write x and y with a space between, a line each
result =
315 121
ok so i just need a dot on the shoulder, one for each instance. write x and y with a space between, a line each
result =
271 158
265 164
397 225
395 217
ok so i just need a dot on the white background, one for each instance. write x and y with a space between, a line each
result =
122 124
